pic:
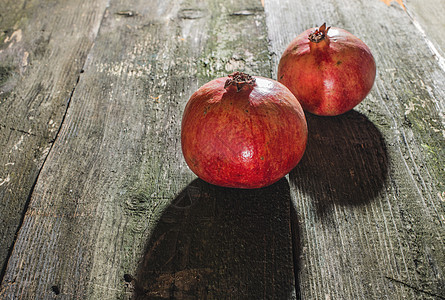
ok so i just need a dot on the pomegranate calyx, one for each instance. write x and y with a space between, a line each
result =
239 79
319 34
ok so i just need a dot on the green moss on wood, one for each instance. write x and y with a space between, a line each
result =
5 73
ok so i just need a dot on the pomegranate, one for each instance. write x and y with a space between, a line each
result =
329 70
242 131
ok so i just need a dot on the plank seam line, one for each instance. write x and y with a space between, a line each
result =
28 200
414 288
295 252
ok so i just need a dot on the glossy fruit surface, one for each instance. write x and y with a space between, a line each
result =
329 70
243 132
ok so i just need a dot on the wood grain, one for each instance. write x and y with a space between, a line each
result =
369 191
116 168
98 203
429 22
41 56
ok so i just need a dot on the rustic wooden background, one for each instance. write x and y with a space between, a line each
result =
96 201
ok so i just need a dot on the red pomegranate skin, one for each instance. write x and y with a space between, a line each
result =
243 139
330 77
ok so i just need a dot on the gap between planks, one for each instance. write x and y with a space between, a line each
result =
28 200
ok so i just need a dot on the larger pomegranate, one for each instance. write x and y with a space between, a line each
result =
243 132
329 70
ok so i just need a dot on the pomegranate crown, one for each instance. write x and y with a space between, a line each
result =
239 79
319 34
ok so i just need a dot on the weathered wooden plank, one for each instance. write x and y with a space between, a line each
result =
429 20
41 56
369 191
115 174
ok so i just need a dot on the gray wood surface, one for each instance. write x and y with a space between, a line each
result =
116 167
43 46
369 193
429 22
98 203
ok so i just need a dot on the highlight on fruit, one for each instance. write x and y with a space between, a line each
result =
242 131
328 69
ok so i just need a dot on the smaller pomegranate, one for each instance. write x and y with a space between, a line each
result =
329 70
243 132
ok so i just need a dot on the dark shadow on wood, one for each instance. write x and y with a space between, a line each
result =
219 243
345 163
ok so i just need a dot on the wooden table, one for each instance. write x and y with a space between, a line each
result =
98 203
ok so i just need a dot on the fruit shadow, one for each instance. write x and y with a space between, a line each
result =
214 242
345 163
